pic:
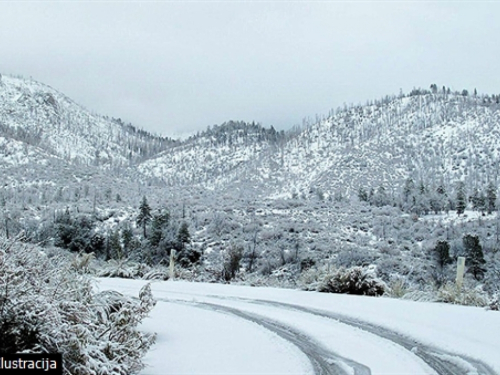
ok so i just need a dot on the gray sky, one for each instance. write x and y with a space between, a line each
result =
176 67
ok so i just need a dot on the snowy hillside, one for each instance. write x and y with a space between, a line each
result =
234 153
434 138
38 115
378 186
428 137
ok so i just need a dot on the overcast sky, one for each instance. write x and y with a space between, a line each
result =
177 67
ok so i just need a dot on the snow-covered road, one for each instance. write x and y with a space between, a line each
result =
226 329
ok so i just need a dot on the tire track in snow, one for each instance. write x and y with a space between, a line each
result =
443 362
324 362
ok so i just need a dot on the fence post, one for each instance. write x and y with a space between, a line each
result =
460 272
172 255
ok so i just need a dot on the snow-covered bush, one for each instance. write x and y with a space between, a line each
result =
420 295
311 278
494 303
468 296
82 262
355 280
128 269
354 257
123 268
398 287
232 262
46 307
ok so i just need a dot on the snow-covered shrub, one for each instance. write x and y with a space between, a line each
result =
46 307
389 267
398 287
468 296
355 280
121 268
128 269
82 262
354 257
232 262
494 303
282 277
311 278
420 296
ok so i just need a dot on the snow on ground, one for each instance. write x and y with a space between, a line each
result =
195 340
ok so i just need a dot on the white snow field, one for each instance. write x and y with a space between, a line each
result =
228 329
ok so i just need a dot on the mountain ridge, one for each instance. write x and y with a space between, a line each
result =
41 116
431 136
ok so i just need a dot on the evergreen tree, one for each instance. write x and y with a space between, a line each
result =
438 199
65 229
442 252
380 197
423 203
114 246
461 201
362 195
187 256
478 200
183 237
127 237
475 257
144 216
158 225
76 234
408 199
491 198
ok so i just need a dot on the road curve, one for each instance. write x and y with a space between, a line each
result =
443 362
326 361
299 325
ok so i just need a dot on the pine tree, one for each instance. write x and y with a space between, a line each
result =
442 251
438 199
461 201
126 237
408 200
478 200
144 216
158 225
362 195
183 237
491 198
475 256
380 198
422 200
114 245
